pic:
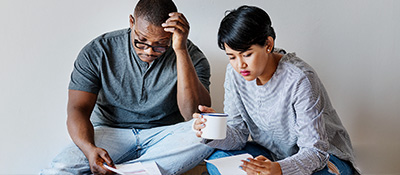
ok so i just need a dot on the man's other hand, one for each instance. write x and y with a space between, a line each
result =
97 157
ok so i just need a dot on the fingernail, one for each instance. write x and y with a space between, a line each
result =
240 167
163 24
202 125
203 120
170 14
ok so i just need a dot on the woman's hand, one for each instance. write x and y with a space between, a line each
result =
261 166
199 122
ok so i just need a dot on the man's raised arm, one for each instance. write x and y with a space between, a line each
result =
191 91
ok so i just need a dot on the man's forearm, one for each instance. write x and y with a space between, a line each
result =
79 109
191 91
81 132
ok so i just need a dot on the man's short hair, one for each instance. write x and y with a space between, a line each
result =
154 11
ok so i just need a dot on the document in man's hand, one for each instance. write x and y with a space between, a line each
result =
138 168
230 165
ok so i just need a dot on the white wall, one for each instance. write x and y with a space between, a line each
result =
353 45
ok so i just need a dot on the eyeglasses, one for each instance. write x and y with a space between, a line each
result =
144 46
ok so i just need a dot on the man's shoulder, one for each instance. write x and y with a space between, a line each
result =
191 46
122 33
108 40
195 52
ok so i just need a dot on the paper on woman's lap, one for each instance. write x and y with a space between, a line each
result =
230 165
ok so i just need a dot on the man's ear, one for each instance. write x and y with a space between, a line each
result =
131 21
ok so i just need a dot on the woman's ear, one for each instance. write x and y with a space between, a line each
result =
131 21
270 44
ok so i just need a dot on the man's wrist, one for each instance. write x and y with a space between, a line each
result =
87 148
181 53
180 49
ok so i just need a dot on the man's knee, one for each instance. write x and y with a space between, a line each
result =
70 160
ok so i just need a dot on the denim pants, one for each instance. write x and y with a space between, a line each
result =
174 148
255 150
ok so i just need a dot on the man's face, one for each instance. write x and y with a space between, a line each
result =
149 41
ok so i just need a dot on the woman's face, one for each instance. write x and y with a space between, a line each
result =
252 63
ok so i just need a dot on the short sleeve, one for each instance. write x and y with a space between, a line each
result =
86 76
201 64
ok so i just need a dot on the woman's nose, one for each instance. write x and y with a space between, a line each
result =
241 63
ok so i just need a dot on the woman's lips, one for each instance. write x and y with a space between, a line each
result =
245 72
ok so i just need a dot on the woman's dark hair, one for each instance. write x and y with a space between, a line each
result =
154 11
243 27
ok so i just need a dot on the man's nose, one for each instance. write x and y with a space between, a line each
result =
149 51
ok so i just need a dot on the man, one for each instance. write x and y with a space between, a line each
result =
130 92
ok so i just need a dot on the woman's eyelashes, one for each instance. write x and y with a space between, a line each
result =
247 54
243 55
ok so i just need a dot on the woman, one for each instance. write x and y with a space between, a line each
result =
279 101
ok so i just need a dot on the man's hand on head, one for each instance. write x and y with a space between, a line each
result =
178 25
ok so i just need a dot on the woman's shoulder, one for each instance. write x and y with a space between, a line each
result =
300 73
290 59
295 64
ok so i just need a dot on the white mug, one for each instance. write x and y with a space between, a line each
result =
215 126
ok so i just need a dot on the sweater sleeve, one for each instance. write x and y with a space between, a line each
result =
308 103
237 131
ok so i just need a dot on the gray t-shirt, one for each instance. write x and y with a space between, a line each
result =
132 93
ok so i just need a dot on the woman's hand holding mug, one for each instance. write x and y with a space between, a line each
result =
200 121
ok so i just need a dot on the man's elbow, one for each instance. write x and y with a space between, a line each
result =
187 112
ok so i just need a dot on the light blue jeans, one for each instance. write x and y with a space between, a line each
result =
174 148
255 150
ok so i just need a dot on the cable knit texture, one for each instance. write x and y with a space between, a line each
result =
291 115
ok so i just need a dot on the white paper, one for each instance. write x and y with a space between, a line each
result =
138 168
152 168
230 165
113 169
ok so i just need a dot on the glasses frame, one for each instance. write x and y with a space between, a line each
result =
146 46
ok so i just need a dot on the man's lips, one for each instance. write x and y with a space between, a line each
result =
147 57
245 72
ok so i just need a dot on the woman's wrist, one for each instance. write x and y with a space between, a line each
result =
276 168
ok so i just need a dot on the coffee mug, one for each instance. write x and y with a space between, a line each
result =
215 126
